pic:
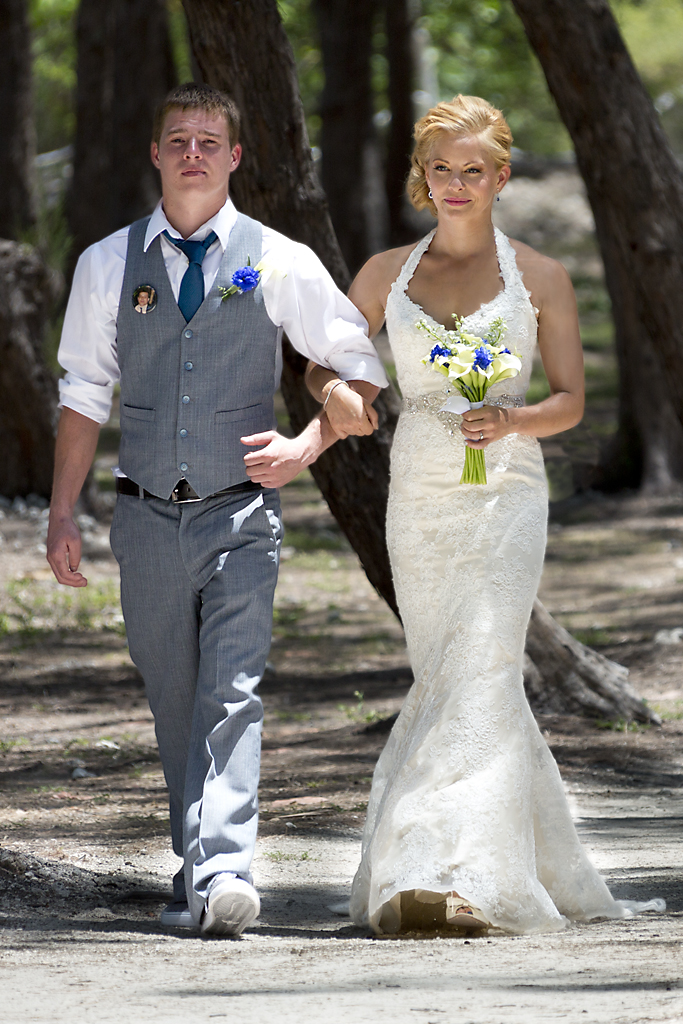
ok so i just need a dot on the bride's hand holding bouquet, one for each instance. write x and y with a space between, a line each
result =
473 365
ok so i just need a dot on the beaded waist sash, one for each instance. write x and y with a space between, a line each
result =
433 403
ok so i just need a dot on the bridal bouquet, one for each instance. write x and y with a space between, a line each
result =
473 364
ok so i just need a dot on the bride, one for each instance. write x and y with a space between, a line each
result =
468 825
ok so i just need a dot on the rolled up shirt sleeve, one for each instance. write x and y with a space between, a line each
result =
320 321
87 349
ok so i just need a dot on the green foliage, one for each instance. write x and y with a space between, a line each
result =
482 50
593 637
7 745
668 714
653 32
316 540
299 22
288 614
53 24
180 40
473 46
277 856
620 725
54 71
34 607
357 712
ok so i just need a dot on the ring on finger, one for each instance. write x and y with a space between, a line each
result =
481 435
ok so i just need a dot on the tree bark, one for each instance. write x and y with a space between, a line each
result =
125 68
400 23
635 189
563 676
346 108
245 52
28 391
17 141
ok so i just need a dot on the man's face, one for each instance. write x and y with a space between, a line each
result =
143 298
194 153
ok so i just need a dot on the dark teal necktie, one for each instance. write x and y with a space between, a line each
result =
192 285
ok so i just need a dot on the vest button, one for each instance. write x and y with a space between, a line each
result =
188 333
189 366
186 399
183 467
183 432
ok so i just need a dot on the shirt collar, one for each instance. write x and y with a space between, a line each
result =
222 223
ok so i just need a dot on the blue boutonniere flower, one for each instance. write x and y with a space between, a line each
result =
245 279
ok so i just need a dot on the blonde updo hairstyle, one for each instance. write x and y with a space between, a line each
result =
463 115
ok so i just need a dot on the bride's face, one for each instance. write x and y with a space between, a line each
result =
462 176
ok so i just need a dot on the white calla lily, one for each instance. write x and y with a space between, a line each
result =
474 365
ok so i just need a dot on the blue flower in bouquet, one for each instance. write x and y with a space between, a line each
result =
438 350
472 364
246 279
482 359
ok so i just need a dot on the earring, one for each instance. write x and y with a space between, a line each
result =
497 198
430 194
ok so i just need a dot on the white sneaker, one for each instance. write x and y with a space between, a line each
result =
177 915
232 905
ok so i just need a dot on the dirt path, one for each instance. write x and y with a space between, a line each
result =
84 857
113 963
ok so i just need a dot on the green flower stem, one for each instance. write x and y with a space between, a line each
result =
225 293
474 470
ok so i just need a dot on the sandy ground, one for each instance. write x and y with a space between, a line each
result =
84 854
302 964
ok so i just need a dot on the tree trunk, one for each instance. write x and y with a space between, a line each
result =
244 51
346 108
400 22
353 476
635 189
563 676
125 68
17 142
28 392
28 401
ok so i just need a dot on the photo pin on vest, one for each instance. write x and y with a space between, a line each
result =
144 298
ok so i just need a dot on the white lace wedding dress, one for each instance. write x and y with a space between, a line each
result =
466 796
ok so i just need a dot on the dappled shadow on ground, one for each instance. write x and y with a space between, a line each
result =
324 688
79 684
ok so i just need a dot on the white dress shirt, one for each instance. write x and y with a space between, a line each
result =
299 296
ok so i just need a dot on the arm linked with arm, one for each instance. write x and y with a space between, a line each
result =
346 413
326 328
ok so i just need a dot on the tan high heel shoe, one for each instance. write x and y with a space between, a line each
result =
461 914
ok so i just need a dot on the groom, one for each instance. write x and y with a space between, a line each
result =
197 528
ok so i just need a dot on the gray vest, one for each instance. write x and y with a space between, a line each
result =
189 391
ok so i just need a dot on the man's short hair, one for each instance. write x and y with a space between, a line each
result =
192 96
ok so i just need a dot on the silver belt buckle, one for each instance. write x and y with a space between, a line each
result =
177 500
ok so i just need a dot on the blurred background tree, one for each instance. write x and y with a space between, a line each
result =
415 52
365 72
472 46
125 67
54 72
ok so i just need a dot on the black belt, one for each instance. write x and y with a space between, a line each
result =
182 491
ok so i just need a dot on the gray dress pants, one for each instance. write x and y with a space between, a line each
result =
197 584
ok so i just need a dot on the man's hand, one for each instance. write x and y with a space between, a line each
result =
279 461
64 551
347 411
74 451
